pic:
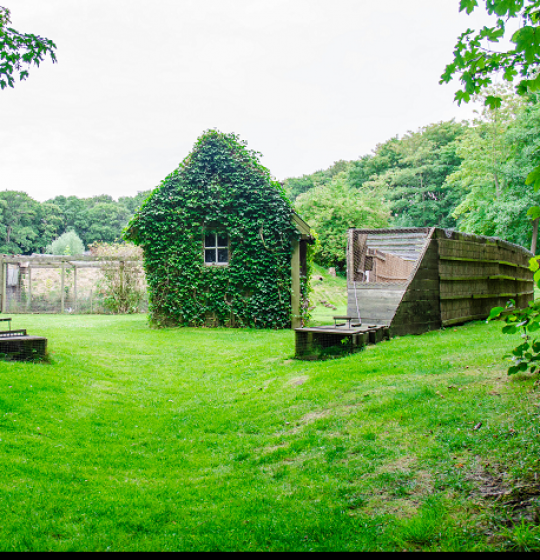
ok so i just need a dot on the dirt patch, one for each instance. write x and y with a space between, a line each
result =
314 416
400 487
297 382
519 499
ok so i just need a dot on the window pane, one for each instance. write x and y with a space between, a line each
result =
223 256
210 256
210 240
223 240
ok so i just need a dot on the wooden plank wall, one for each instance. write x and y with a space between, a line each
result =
419 311
460 278
478 274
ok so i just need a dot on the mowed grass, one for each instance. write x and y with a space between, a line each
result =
327 291
184 439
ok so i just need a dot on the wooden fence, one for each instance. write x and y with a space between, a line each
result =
56 284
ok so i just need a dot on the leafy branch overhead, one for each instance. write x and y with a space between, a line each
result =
476 56
18 51
477 60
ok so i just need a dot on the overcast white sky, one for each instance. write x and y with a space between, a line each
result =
305 82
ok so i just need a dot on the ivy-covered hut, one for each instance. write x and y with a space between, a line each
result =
222 244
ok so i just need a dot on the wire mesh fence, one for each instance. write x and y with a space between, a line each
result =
16 346
72 285
384 257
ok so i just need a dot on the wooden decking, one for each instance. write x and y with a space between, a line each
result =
18 346
314 343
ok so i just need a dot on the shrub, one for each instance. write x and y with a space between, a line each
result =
123 280
67 244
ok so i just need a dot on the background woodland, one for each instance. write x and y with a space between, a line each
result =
470 176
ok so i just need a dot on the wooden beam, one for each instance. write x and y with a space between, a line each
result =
483 261
67 259
296 319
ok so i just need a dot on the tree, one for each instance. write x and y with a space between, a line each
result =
49 223
332 209
133 203
496 154
18 51
18 231
477 63
107 221
294 187
416 183
68 243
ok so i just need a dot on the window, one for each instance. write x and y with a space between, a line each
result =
216 249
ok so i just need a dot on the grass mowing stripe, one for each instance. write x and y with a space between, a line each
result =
185 439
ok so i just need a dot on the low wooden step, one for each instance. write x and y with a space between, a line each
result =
23 348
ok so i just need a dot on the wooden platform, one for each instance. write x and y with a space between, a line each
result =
315 343
21 348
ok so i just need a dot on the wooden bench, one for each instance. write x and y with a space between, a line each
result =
8 320
349 324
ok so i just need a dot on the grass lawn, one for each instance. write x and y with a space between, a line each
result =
185 439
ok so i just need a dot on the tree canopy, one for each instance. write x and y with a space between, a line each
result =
28 226
402 183
19 51
478 62
332 209
68 243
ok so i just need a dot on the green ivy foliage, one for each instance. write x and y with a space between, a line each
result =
220 185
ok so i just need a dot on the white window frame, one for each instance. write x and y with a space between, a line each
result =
216 234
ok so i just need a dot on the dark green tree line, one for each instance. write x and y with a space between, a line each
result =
28 226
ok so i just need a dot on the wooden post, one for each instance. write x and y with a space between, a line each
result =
535 237
295 296
75 295
62 288
29 296
351 272
3 280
